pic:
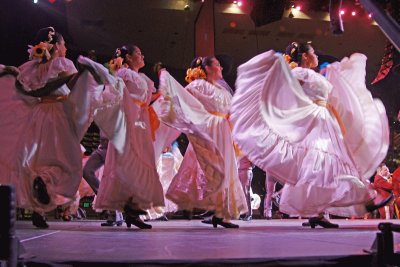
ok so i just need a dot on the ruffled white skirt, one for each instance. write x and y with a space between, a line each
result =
300 143
208 177
130 174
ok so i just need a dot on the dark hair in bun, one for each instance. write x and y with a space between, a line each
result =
295 51
47 35
202 62
124 50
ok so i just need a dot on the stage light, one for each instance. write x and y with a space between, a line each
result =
52 1
298 8
353 13
335 12
233 24
239 3
370 15
35 1
235 2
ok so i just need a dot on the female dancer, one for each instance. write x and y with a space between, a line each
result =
45 111
208 177
321 137
130 181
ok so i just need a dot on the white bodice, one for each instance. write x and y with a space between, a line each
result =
213 97
315 86
140 87
34 75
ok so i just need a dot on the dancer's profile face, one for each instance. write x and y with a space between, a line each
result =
136 59
310 59
61 48
214 71
384 171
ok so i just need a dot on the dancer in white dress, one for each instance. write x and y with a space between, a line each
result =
45 111
130 181
208 177
320 136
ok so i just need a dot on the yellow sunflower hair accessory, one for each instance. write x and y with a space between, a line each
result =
194 74
40 52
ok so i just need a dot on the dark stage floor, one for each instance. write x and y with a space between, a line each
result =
191 243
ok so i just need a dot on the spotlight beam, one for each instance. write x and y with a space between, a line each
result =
386 23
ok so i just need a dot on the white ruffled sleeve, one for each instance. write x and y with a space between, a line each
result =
34 75
186 114
365 119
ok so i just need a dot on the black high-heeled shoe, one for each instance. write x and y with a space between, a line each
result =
40 191
218 221
134 212
370 206
206 214
39 221
321 221
136 221
112 223
207 221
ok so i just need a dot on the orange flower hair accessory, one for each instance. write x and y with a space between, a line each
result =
287 58
291 63
40 52
115 64
194 74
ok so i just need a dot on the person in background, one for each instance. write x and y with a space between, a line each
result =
384 187
396 192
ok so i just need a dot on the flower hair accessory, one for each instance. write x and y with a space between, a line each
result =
194 74
287 58
115 64
40 52
291 63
